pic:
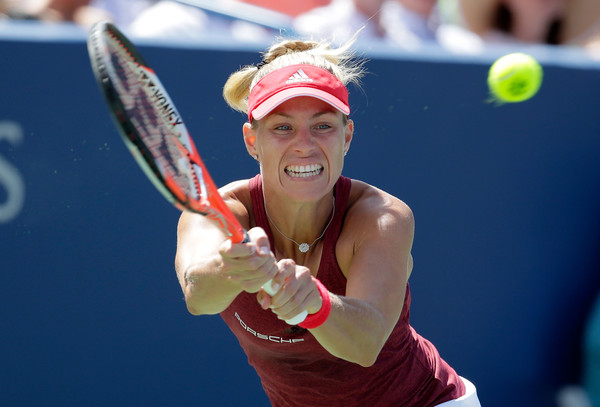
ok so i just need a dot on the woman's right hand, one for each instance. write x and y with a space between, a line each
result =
249 264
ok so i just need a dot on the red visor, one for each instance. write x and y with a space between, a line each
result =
293 81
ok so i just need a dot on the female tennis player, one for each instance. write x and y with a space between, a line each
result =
335 247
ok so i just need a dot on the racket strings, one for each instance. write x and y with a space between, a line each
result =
156 121
153 130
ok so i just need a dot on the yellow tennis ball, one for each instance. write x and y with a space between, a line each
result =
515 77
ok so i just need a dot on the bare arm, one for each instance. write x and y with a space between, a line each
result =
198 265
211 270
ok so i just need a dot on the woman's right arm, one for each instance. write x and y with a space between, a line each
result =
212 271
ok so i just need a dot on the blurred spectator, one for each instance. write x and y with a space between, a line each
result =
402 22
12 8
63 10
122 12
173 20
54 11
170 19
24 9
591 350
81 12
573 396
289 7
586 394
553 22
245 20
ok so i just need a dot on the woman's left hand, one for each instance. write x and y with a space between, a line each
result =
296 291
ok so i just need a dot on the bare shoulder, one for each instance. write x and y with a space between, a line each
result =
237 197
375 220
237 191
368 203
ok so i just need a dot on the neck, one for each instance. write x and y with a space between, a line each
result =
303 228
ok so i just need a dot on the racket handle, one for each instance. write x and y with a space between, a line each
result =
292 321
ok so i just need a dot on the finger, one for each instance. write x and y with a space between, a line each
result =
285 269
237 250
263 299
261 241
305 301
244 256
253 270
298 291
251 273
295 304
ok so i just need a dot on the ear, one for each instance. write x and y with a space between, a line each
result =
250 139
348 134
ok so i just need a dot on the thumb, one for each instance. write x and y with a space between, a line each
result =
263 299
260 239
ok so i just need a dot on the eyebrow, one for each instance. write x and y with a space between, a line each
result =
321 113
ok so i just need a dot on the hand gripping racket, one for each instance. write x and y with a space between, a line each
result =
154 132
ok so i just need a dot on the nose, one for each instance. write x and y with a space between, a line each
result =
303 139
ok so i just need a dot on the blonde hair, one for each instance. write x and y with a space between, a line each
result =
340 61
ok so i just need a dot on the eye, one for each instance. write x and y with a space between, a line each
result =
324 127
283 127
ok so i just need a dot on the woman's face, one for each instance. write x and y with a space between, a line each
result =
301 146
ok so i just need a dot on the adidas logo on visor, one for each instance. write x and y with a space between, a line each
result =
299 76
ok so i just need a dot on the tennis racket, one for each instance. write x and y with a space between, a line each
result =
155 133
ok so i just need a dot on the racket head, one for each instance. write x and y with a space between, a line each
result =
153 129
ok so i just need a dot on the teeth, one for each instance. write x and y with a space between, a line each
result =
304 171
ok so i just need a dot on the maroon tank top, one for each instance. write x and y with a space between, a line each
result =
296 371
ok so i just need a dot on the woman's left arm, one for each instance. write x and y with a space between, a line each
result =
374 253
381 230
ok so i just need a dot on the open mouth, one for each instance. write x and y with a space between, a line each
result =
304 171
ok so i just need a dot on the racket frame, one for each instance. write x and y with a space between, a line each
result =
209 202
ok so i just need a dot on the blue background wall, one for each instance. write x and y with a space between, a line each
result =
506 202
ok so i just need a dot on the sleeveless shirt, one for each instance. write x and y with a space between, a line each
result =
296 371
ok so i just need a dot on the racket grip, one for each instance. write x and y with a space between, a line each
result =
292 321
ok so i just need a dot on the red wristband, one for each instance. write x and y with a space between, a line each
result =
318 318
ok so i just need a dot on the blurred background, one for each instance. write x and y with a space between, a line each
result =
506 196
